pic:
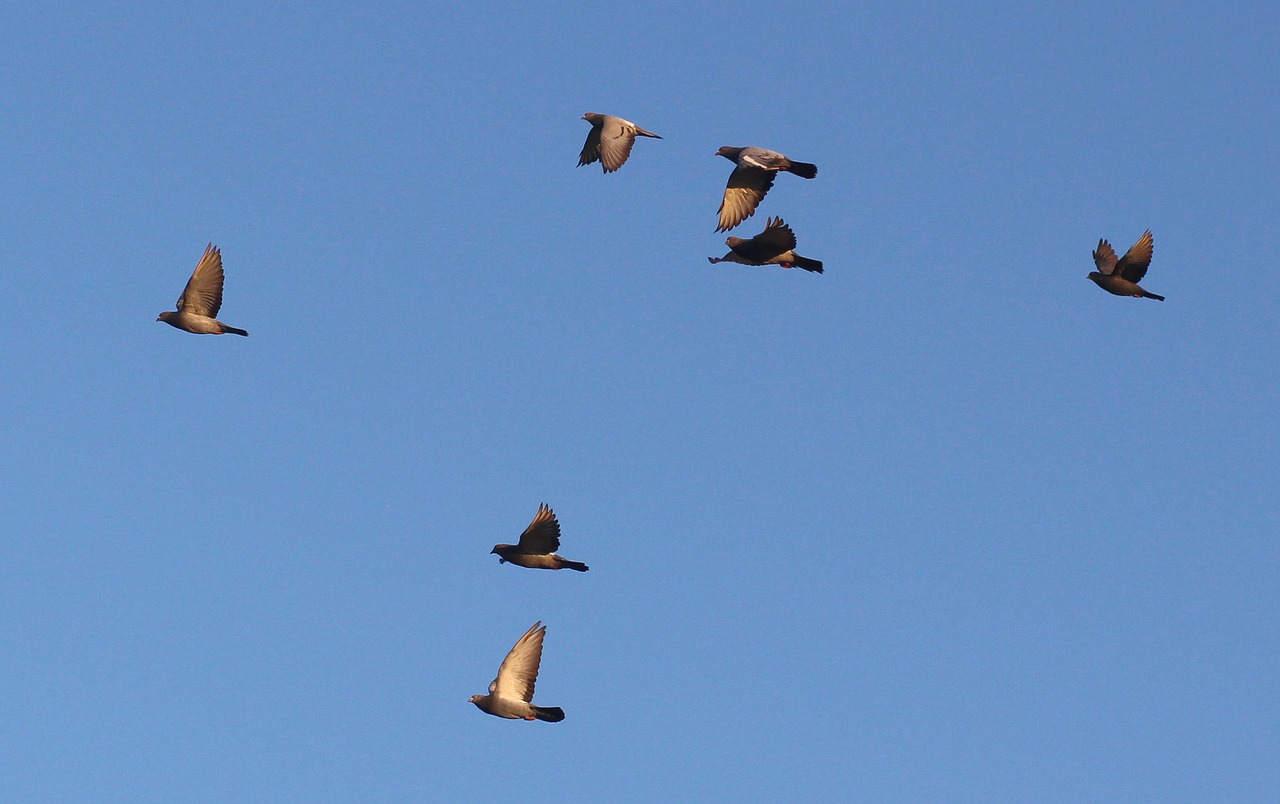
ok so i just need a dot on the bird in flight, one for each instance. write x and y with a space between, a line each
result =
752 177
201 299
774 246
511 693
610 141
538 545
1121 277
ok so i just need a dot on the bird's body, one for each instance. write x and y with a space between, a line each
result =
610 141
538 545
201 299
774 246
511 693
199 324
752 176
1120 277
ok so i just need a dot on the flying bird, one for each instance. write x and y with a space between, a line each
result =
201 299
1121 277
610 141
538 545
511 693
774 246
751 179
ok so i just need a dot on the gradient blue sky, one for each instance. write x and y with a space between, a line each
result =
945 523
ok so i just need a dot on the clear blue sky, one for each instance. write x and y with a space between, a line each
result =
945 523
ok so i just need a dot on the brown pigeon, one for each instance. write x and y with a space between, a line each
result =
773 246
751 179
201 299
511 693
610 141
538 545
1121 277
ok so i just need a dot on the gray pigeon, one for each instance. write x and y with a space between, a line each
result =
538 545
610 141
773 246
201 299
751 179
1121 277
511 693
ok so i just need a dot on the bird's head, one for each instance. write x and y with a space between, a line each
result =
1096 276
729 152
164 316
475 699
498 550
734 242
590 116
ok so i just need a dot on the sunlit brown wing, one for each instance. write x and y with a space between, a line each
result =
616 140
203 293
1133 265
1104 257
543 533
746 189
519 671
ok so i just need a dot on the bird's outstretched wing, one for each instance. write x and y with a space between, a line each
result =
543 534
1104 256
777 236
519 671
203 293
746 189
616 139
590 149
1133 265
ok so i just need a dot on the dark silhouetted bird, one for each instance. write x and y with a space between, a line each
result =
1121 277
751 179
201 299
538 545
773 246
511 693
610 141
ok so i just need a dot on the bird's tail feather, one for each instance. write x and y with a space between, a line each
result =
1151 295
549 714
232 330
808 264
804 170
573 565
644 133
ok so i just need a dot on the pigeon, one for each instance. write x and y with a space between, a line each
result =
751 179
538 545
511 693
201 298
773 246
610 141
1121 277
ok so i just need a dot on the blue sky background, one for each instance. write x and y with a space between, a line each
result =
945 523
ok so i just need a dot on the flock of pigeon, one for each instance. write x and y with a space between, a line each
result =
610 142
